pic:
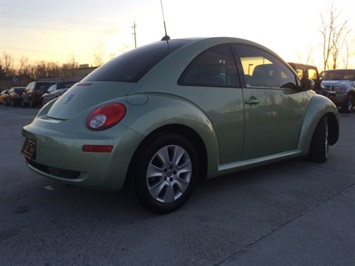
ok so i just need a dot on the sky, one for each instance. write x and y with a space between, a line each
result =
62 30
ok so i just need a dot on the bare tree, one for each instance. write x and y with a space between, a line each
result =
69 66
349 51
98 54
7 63
111 55
23 66
334 32
309 55
72 63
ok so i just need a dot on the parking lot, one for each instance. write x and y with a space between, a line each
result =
289 213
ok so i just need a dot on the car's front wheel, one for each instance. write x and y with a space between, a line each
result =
318 151
165 173
348 105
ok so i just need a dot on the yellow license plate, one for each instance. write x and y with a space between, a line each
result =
29 149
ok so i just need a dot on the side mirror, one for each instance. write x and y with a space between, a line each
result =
307 84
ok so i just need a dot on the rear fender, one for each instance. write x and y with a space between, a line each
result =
318 107
161 110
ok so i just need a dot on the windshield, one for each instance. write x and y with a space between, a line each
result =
133 65
339 75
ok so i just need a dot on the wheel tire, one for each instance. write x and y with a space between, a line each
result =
31 103
318 151
348 105
165 173
12 103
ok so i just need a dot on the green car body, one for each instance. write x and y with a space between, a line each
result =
230 128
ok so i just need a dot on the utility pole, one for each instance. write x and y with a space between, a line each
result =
135 34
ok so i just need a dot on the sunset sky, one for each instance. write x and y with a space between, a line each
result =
59 30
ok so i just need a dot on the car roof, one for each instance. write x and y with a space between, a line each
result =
338 70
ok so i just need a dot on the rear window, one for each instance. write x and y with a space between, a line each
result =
19 90
339 75
133 65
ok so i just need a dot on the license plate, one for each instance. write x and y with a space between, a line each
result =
29 149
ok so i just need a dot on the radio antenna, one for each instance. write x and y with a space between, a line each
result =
166 37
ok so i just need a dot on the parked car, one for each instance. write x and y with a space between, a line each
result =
13 96
56 90
3 94
309 72
167 114
33 94
341 83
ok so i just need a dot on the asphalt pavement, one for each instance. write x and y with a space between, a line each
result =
289 213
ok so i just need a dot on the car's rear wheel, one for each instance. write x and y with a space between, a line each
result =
165 173
348 105
318 151
31 103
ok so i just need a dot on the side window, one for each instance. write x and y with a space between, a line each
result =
300 72
214 67
30 86
262 69
312 73
52 88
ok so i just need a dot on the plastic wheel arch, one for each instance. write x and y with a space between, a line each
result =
318 107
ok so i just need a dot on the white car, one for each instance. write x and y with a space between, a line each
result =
56 90
340 83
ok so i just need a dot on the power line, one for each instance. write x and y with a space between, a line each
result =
44 18
58 29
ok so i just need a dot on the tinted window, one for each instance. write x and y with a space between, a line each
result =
261 69
214 67
52 88
30 86
64 85
312 73
339 75
133 65
42 87
300 72
19 90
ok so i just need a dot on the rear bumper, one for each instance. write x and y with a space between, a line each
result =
59 155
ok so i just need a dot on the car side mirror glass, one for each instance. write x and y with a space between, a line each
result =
307 84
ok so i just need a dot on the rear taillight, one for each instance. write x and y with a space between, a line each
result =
106 116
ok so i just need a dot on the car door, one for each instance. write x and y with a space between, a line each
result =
274 106
211 83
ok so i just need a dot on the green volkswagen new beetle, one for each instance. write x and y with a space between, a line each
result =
163 116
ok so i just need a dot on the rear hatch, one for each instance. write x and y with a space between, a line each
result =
84 96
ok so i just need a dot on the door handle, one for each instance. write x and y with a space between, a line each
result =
251 101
